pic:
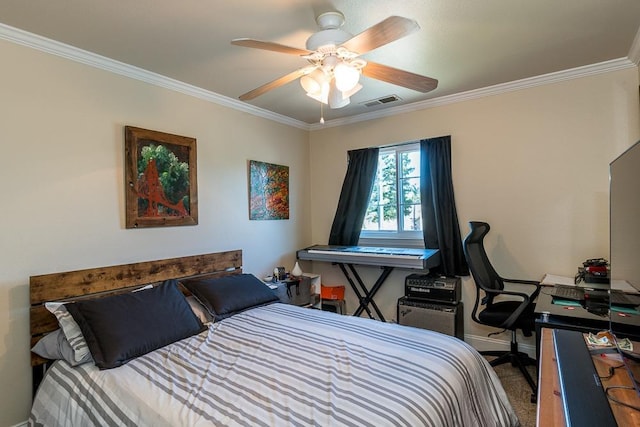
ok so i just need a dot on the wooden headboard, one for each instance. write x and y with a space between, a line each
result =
101 281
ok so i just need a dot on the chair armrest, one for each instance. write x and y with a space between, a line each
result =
525 296
526 301
533 295
522 282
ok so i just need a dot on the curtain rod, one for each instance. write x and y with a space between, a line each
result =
417 141
398 144
386 146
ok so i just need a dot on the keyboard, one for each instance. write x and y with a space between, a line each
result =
567 292
620 298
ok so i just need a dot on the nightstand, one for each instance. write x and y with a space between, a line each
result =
302 291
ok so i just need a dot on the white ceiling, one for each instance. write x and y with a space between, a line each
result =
466 45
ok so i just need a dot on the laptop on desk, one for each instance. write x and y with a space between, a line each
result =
583 293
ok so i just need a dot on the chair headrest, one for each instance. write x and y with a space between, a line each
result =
479 229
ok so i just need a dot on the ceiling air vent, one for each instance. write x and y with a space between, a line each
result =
380 101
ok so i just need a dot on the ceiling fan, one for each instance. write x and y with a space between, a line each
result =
335 67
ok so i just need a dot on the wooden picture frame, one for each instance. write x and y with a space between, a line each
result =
161 179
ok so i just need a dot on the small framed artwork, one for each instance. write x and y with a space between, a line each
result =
268 191
160 172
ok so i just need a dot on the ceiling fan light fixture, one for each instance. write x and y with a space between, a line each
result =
309 84
322 93
319 96
337 99
312 82
353 91
316 85
315 95
346 76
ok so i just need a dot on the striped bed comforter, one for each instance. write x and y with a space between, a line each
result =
285 365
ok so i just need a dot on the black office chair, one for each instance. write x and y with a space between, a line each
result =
515 313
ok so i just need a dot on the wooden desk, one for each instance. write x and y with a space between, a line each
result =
550 409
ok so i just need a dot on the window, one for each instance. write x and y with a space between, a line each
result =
394 210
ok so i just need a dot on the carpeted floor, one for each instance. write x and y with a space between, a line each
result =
519 392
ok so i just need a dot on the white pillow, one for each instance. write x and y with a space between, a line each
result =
71 330
199 310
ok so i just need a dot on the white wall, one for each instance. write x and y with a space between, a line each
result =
533 163
61 131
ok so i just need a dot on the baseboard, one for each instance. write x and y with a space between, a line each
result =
482 343
22 424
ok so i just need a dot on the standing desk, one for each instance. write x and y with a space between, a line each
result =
346 257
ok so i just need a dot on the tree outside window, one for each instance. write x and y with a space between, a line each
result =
394 207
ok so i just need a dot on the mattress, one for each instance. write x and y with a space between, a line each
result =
282 365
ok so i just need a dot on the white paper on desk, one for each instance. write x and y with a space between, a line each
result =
552 279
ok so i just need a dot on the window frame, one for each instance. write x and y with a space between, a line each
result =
402 238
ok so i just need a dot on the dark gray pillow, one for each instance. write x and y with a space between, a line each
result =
225 296
121 327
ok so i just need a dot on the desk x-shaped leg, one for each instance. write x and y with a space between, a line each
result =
367 298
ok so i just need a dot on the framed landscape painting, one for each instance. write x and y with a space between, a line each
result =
268 191
160 172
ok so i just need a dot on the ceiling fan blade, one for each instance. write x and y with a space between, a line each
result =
274 84
275 47
391 29
399 77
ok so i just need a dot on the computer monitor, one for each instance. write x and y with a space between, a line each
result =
624 196
624 193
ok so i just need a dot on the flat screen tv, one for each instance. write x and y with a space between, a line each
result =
624 193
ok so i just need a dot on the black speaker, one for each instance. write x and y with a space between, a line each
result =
443 318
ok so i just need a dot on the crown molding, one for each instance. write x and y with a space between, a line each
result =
53 47
634 52
574 73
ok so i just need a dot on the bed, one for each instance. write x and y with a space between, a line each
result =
258 363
